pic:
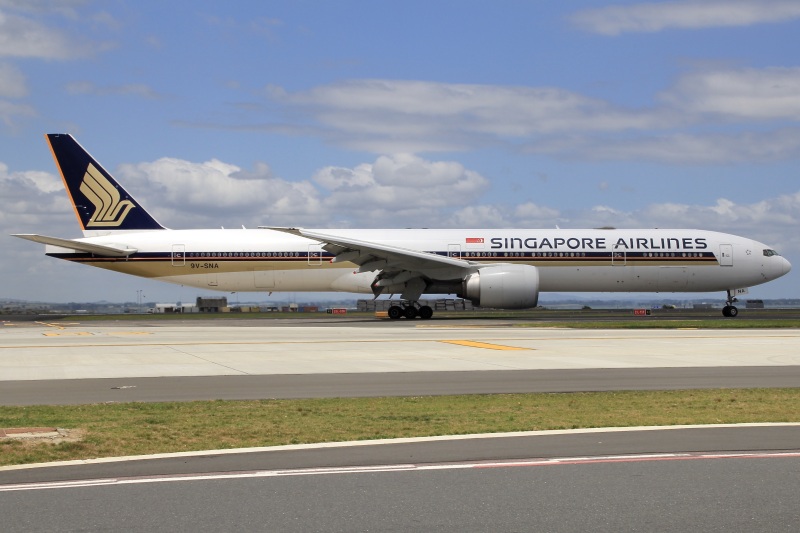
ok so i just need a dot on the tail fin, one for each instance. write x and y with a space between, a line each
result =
101 204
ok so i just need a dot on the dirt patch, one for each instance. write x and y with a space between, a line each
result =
37 435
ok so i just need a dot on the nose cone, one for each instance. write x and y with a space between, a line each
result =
787 266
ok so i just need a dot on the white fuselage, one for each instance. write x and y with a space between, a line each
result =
567 260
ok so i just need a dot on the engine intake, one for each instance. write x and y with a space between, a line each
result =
503 287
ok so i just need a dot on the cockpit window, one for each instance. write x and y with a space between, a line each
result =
770 253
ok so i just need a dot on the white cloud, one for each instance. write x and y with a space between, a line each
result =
760 109
479 216
403 186
422 107
749 93
382 115
212 192
23 37
30 199
684 14
534 215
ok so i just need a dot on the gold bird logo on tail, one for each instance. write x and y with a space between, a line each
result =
109 211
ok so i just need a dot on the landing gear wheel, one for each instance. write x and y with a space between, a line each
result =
425 312
730 311
410 312
395 312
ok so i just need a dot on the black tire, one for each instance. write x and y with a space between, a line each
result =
395 312
410 312
425 312
730 311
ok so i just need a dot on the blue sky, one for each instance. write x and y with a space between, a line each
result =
376 114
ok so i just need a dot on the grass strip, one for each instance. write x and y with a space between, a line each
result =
120 429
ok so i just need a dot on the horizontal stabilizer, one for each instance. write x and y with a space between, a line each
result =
79 246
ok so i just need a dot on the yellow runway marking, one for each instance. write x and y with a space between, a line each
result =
57 326
50 325
69 334
484 345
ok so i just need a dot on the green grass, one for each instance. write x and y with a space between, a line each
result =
147 428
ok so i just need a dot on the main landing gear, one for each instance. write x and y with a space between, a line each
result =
730 310
410 311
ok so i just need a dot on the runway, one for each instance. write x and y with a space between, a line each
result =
94 362
81 351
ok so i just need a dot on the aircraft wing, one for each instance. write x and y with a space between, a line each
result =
79 246
389 259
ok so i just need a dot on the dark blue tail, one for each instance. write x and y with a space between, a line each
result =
101 204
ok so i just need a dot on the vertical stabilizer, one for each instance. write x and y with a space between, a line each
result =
101 204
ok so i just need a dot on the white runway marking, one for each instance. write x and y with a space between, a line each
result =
393 468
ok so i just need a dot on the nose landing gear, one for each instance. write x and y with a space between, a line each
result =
730 310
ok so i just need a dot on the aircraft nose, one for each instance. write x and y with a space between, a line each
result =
787 266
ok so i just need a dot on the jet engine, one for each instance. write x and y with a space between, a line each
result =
503 287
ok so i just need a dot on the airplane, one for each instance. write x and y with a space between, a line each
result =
493 268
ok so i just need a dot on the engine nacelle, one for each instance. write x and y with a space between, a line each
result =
503 287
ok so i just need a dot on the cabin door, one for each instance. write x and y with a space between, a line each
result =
618 256
178 255
314 254
726 255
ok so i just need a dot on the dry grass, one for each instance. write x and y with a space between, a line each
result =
145 428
